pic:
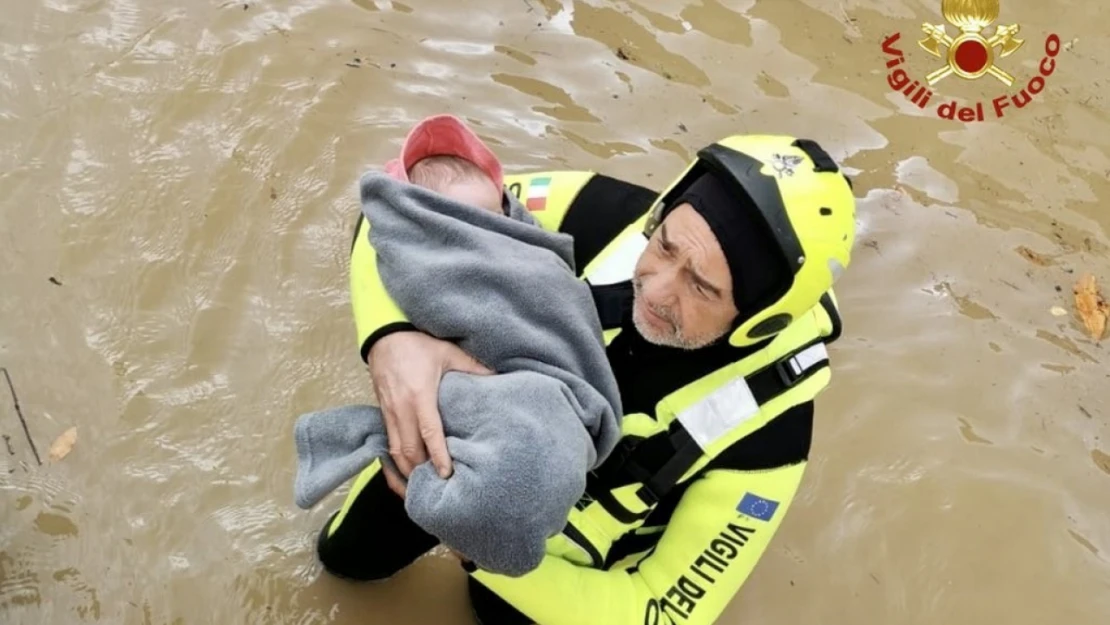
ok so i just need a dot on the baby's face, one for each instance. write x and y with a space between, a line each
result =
480 193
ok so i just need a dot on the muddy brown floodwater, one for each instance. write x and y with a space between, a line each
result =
178 184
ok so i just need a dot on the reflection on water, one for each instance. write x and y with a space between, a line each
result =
179 186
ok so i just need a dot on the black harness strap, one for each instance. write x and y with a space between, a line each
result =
834 317
686 454
578 538
614 508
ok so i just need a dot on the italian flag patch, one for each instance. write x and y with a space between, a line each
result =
537 194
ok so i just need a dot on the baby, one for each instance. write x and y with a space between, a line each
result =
458 179
523 440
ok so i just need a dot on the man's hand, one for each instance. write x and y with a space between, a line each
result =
406 368
395 482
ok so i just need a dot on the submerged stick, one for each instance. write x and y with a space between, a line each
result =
19 413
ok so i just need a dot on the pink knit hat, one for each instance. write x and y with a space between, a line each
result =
444 135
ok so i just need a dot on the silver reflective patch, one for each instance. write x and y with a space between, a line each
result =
836 269
719 412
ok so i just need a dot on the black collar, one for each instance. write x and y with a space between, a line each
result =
646 372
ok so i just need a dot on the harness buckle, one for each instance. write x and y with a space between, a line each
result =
789 371
647 495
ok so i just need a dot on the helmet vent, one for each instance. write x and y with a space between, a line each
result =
826 211
770 325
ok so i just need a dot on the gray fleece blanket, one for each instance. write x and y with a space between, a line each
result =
523 440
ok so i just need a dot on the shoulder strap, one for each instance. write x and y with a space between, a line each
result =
660 461
783 441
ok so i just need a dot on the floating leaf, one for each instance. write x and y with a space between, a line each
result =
63 444
1058 311
1090 305
1033 257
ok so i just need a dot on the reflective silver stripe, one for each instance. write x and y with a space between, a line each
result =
732 403
807 358
719 412
620 263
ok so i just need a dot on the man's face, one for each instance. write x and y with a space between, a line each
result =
683 285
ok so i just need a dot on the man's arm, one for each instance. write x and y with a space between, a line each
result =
375 312
706 553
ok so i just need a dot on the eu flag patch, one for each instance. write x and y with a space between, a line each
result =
757 507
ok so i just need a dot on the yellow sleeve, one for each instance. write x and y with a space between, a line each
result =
375 312
707 551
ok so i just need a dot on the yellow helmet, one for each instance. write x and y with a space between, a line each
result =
809 210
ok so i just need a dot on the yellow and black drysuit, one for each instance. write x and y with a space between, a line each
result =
715 440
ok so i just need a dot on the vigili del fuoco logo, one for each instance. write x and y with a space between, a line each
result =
969 55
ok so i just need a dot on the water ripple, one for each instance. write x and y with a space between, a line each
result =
187 174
